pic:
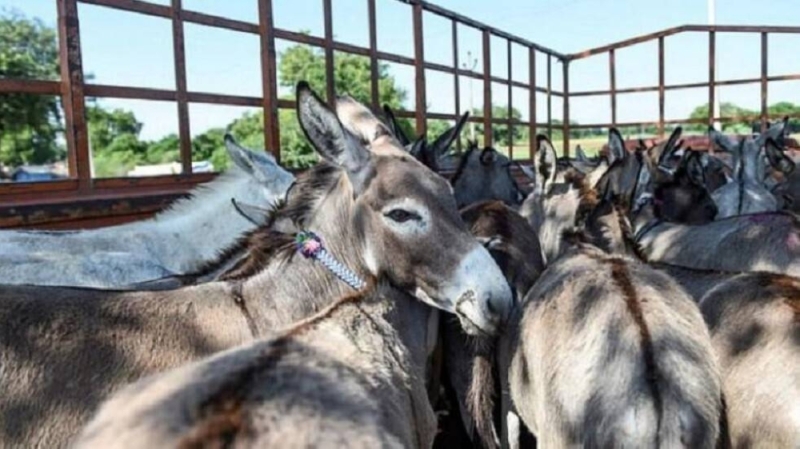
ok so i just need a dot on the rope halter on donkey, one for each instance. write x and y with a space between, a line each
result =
310 246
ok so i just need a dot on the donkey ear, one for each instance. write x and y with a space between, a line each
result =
694 167
544 163
394 126
418 148
775 132
580 155
324 130
442 144
257 163
616 146
721 141
777 158
671 147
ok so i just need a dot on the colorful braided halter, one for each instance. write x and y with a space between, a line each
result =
310 246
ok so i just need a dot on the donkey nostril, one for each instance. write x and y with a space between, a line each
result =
491 307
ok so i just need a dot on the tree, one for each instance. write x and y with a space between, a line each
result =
353 75
29 124
500 132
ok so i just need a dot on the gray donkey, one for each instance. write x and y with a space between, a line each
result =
179 240
477 174
754 320
748 193
608 352
379 212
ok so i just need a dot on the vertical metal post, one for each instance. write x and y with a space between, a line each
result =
330 85
712 57
550 96
661 87
456 80
179 52
566 107
419 66
532 103
509 124
764 68
269 79
373 55
72 94
612 76
487 89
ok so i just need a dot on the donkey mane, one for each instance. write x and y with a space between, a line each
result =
221 413
202 194
462 163
264 243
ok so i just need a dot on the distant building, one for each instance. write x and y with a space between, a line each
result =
171 168
36 173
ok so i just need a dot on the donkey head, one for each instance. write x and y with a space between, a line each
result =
431 155
684 198
510 240
715 171
394 218
485 175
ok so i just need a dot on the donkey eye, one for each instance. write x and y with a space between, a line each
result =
402 216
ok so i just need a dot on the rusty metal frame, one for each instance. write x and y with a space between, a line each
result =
73 89
710 84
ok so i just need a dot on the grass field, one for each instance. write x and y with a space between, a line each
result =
590 145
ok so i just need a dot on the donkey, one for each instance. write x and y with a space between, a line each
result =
469 361
754 320
747 194
179 240
351 376
381 213
608 352
479 174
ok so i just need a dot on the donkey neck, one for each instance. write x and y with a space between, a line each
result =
296 286
208 222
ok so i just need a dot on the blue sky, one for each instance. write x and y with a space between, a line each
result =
129 49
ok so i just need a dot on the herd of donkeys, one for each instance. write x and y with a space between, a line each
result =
399 294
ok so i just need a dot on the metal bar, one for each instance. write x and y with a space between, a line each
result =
549 97
21 86
661 104
712 55
532 103
72 97
743 118
680 29
764 70
395 58
566 108
625 43
330 88
269 79
612 76
419 65
219 22
179 54
510 117
438 10
456 80
138 6
487 89
373 54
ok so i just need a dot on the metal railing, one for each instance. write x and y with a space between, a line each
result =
74 90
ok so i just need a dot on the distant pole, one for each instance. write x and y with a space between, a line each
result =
712 20
471 110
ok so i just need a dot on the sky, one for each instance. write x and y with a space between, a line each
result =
135 50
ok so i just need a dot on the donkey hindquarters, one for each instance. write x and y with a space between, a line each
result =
607 352
754 320
352 376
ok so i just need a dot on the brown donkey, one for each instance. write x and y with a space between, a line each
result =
380 213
